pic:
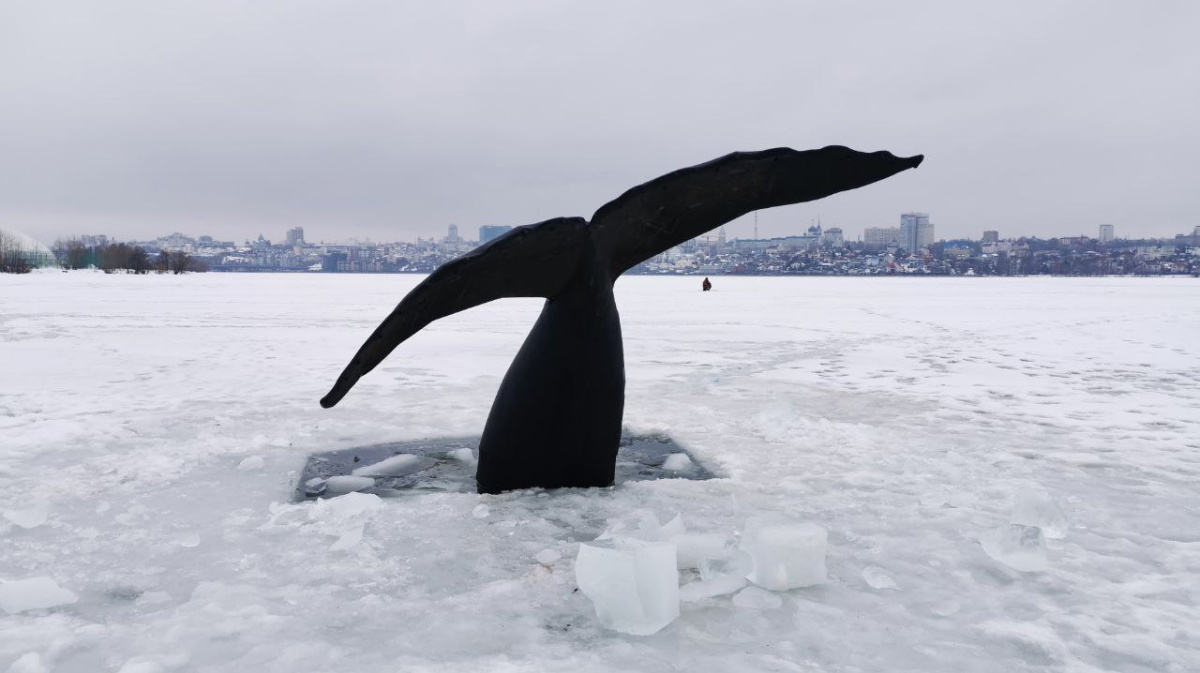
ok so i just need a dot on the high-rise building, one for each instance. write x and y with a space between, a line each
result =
832 237
489 231
1106 233
452 234
295 236
991 237
877 238
915 231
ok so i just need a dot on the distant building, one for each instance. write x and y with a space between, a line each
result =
833 238
295 236
452 234
1106 233
879 238
490 231
780 244
915 231
1193 239
958 251
177 241
991 237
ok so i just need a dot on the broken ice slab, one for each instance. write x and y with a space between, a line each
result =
27 518
753 598
678 462
694 548
632 584
448 464
1033 508
34 593
877 578
1018 547
718 586
343 484
400 465
786 555
718 576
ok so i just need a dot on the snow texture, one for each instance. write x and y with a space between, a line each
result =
907 417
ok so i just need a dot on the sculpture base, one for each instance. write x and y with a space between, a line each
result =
448 465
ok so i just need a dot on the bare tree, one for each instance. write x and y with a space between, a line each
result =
12 255
71 253
139 260
180 261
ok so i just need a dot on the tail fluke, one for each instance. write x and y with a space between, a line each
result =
654 217
535 260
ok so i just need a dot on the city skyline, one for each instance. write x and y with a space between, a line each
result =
915 230
392 120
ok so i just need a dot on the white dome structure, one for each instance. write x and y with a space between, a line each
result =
14 244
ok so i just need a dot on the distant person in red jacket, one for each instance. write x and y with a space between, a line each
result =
706 286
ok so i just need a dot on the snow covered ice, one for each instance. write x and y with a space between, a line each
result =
906 417
787 555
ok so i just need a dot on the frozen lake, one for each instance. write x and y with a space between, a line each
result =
152 429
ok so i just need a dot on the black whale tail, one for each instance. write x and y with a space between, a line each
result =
541 260
535 260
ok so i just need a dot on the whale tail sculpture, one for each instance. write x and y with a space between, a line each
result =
556 420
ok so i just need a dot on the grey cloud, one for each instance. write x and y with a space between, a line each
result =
391 119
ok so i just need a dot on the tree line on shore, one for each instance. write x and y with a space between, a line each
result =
109 258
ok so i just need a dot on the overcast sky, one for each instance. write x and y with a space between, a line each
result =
391 120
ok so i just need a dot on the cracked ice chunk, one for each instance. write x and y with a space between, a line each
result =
30 662
1018 547
633 584
753 598
877 578
1038 509
27 518
672 528
787 556
547 557
718 577
343 484
352 506
33 594
678 462
692 548
718 586
346 516
400 465
641 524
251 463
